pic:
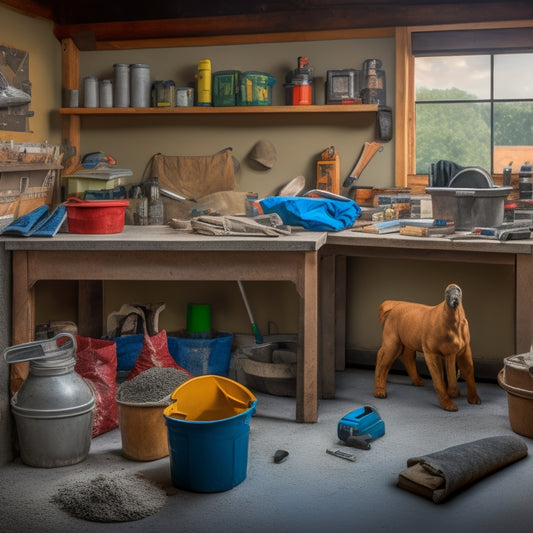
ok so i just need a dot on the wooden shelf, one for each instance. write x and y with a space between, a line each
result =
7 166
236 110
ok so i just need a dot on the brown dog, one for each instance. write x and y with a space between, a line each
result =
441 332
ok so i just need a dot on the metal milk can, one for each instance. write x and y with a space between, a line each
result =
54 407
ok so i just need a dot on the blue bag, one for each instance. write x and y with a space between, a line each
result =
314 214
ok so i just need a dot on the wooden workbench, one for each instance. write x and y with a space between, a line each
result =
314 262
348 243
162 253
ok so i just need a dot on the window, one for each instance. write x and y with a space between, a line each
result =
472 98
475 110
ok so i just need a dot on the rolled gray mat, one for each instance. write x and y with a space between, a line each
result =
439 474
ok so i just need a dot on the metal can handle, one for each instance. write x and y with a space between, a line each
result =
29 351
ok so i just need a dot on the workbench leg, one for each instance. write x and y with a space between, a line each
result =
340 312
23 325
307 364
524 304
327 319
90 308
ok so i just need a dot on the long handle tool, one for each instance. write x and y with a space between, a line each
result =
367 153
255 329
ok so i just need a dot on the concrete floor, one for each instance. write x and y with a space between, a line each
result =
310 491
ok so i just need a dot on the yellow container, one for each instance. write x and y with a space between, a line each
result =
204 83
210 397
143 432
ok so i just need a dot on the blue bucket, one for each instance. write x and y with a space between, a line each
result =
208 432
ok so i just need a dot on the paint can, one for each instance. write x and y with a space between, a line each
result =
184 96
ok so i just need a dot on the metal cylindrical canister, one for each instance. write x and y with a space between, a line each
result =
90 91
106 93
53 409
525 182
141 86
184 96
70 98
204 83
121 85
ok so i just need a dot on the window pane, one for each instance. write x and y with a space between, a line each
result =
513 76
452 78
513 134
458 132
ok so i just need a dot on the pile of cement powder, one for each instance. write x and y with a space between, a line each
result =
151 386
110 498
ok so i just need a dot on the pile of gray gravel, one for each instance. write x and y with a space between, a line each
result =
153 385
110 498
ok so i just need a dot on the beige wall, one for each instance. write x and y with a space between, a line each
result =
299 140
36 37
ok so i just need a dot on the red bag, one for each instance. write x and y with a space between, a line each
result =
96 362
154 353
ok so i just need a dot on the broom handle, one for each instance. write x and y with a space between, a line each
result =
246 301
252 321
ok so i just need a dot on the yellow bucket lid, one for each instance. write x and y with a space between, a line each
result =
208 398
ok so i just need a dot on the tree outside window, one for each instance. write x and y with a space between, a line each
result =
474 110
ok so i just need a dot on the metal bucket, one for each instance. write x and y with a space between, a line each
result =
54 407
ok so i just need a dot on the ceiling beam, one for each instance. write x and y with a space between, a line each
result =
348 16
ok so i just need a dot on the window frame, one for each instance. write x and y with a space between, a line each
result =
405 147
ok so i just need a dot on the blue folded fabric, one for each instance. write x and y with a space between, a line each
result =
23 225
37 223
50 225
314 214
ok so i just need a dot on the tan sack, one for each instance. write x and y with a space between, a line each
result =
195 176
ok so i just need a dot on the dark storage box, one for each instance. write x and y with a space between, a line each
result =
469 208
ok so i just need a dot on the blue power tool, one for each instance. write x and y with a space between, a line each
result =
361 426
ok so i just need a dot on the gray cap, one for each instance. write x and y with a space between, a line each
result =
264 153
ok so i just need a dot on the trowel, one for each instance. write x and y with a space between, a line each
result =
367 153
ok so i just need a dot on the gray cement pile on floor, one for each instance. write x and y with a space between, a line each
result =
110 498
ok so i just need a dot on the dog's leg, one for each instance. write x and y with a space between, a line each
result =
466 366
434 364
408 358
387 354
451 375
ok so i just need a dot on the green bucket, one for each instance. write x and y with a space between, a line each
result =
199 318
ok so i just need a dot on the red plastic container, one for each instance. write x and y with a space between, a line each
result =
302 95
96 216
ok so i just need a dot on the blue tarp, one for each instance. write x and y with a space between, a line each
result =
314 214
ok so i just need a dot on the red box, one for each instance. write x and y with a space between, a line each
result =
96 216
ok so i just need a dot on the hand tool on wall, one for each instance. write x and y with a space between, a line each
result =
367 153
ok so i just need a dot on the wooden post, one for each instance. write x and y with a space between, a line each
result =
70 75
23 325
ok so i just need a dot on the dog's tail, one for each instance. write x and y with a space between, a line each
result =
385 308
